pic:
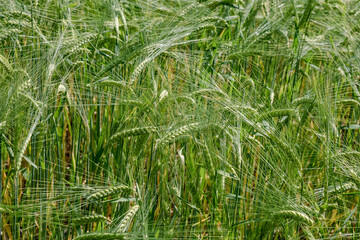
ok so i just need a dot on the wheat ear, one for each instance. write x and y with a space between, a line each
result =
90 219
5 63
348 101
179 132
343 187
102 236
294 215
138 70
134 132
277 113
205 26
2 124
108 192
6 33
125 222
303 100
112 83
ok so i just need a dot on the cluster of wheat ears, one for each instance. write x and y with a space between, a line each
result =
179 119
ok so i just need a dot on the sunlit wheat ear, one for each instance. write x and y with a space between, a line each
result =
355 154
134 132
308 233
343 187
165 11
8 32
126 221
163 95
94 218
25 87
74 46
111 24
303 100
348 102
205 92
27 141
5 63
205 26
103 236
19 14
26 23
213 19
20 23
61 88
106 51
78 63
293 215
119 11
171 136
216 3
277 113
138 70
187 9
121 189
2 124
244 109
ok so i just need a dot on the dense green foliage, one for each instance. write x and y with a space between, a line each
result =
185 119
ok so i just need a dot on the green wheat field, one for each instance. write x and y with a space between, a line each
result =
179 119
